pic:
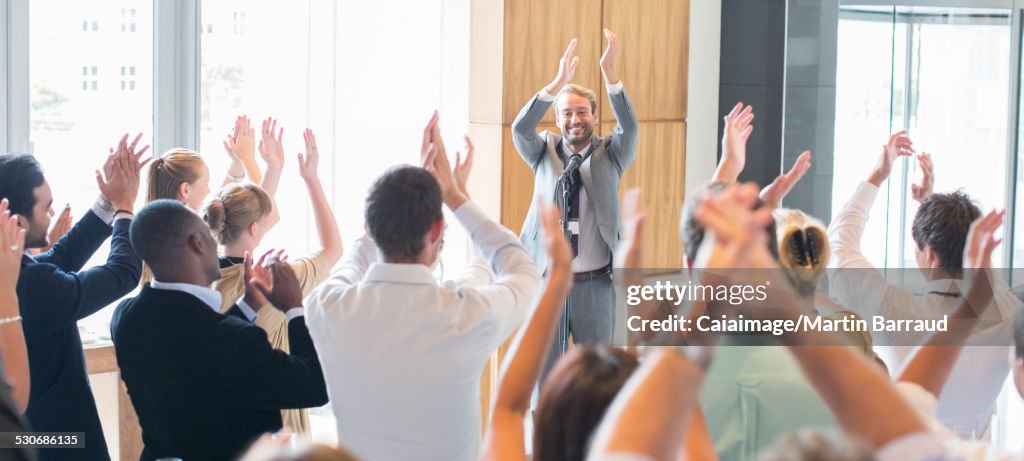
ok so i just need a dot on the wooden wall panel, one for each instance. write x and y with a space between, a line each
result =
536 34
659 172
655 48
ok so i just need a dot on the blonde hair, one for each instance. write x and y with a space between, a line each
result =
803 248
580 91
168 172
234 209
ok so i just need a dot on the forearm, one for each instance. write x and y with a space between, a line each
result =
840 376
662 393
698 445
326 224
271 179
14 352
933 362
531 346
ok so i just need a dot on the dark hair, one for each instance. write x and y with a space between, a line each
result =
942 222
402 206
20 175
692 232
160 229
575 397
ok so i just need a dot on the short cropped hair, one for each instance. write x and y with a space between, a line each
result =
402 206
692 232
160 229
941 223
20 175
580 91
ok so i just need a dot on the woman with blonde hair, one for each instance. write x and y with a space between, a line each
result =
239 217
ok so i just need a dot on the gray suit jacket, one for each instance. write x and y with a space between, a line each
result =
601 170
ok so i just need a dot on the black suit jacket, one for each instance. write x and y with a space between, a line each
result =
54 293
206 385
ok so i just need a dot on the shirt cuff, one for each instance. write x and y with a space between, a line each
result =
471 216
614 88
294 312
123 215
103 210
544 96
247 310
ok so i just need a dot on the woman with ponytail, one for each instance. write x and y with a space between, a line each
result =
239 217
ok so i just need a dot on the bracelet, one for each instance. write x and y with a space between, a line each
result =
236 178
16 318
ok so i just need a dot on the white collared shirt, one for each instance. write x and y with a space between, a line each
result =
969 396
212 298
593 251
402 354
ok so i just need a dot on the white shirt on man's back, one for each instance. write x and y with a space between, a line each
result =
402 355
968 399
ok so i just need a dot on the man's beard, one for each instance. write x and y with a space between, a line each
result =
582 140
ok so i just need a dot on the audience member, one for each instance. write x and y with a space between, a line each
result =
417 396
939 231
14 374
240 216
206 385
54 291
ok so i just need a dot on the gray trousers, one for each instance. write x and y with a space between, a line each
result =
591 319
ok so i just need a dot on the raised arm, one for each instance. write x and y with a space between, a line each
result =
627 126
241 148
254 375
504 439
773 193
272 152
650 415
933 362
734 143
524 128
12 338
72 296
326 224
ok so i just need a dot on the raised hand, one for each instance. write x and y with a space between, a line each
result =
121 188
12 246
271 149
559 254
250 275
463 165
629 251
734 142
981 241
611 52
921 192
436 162
284 291
899 145
308 164
566 69
735 232
773 193
60 227
241 144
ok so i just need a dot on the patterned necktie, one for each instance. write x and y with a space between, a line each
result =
570 183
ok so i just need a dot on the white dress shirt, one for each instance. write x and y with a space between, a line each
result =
212 298
402 355
968 398
593 252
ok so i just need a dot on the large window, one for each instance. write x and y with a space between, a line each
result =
91 80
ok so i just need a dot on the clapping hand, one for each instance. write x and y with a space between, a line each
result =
60 227
566 69
463 165
981 241
121 186
608 58
921 192
559 254
284 291
773 193
899 145
435 160
12 246
735 234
